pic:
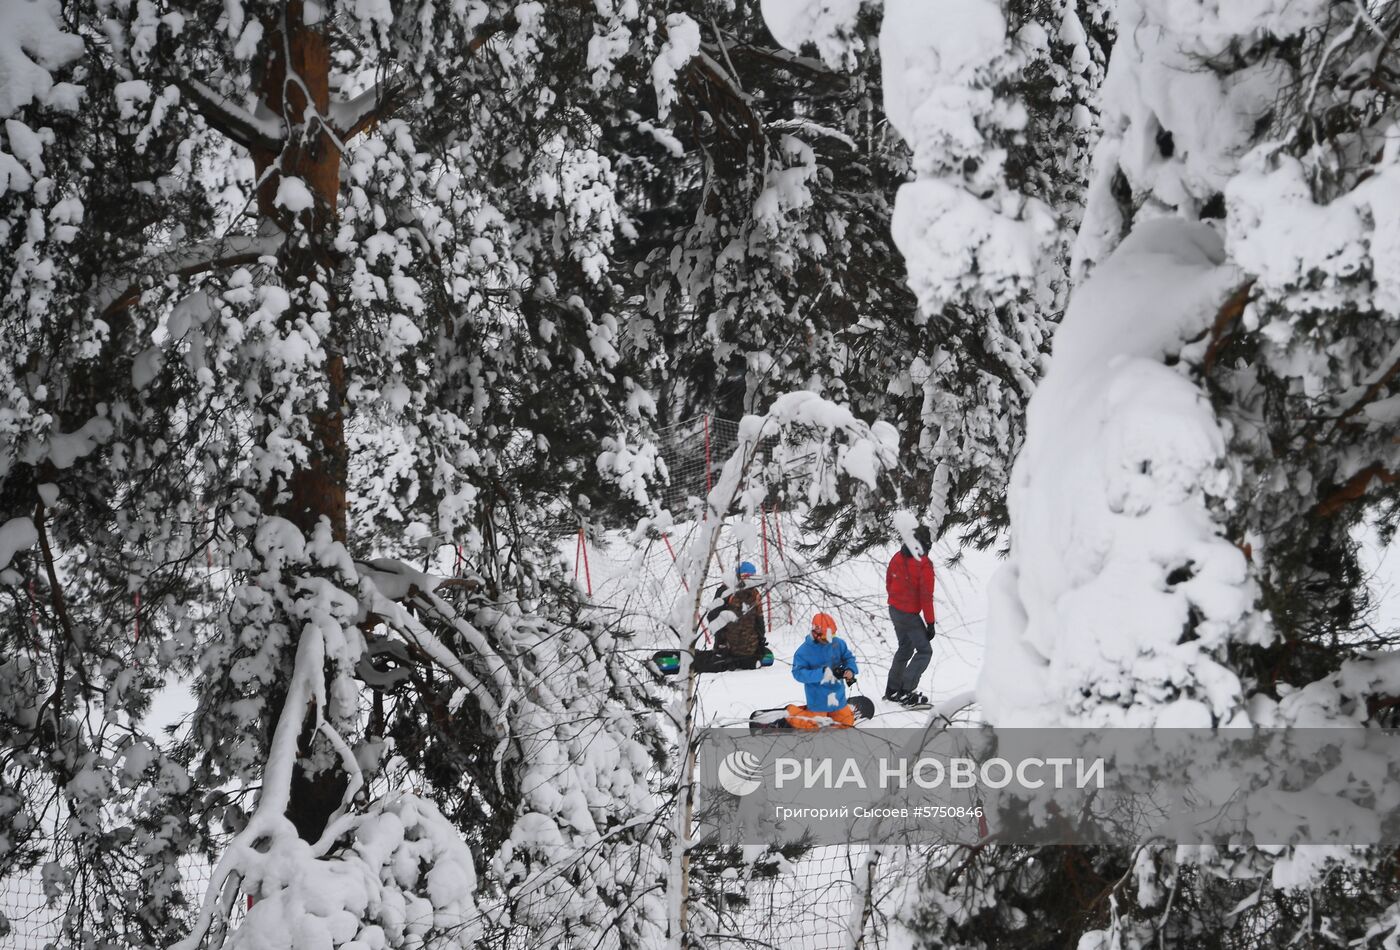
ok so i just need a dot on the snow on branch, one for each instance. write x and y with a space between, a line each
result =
32 42
964 232
352 116
398 618
117 293
805 448
230 119
827 24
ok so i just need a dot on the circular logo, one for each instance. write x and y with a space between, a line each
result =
740 773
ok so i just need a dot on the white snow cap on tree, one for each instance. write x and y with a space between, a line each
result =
960 232
825 23
32 42
1117 545
904 525
682 42
1159 92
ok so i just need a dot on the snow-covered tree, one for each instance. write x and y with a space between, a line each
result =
990 118
297 294
1210 440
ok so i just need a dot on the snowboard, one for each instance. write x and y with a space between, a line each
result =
668 662
763 720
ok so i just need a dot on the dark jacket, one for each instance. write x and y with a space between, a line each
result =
737 621
909 583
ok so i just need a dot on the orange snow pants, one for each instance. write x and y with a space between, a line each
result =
800 717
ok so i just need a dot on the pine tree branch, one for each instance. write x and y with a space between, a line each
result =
377 103
1369 395
1353 489
353 116
60 609
116 294
1225 321
230 120
778 57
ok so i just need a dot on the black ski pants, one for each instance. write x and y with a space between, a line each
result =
913 654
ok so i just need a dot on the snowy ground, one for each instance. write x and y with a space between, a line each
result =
639 588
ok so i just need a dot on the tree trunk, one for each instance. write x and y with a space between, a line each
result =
296 65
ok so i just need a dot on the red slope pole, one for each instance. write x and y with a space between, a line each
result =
581 554
587 571
667 539
767 589
778 536
707 480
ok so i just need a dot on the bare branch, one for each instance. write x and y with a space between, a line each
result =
1353 489
1225 320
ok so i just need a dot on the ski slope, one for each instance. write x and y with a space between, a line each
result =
635 589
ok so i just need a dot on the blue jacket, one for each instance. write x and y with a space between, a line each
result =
809 666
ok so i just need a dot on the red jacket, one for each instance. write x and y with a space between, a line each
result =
909 581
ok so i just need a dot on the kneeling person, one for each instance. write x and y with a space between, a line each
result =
824 665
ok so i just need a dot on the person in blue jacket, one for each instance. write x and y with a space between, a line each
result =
824 665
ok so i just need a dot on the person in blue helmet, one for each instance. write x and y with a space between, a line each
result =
824 665
736 621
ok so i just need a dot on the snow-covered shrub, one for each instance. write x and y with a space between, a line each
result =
398 875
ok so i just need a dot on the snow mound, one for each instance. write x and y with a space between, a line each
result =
400 876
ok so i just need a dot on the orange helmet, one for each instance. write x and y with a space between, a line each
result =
825 623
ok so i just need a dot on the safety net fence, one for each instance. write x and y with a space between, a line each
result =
837 897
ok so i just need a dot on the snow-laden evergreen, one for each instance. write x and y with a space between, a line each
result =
322 322
304 305
1207 444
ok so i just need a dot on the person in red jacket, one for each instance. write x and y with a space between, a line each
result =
909 583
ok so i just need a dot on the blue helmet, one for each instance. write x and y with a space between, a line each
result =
745 568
